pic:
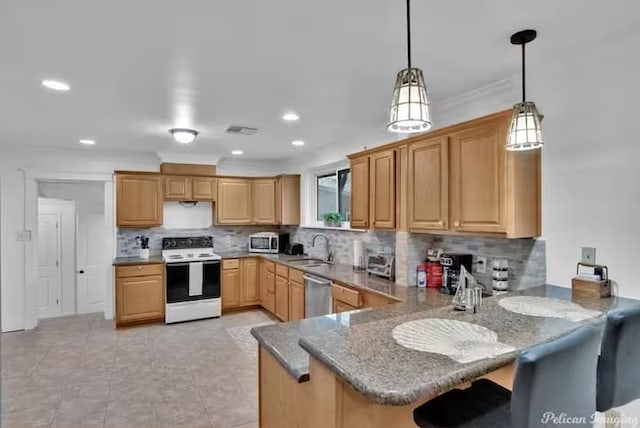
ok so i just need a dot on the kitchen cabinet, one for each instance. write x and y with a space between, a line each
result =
249 293
177 188
264 201
345 298
270 303
282 297
428 184
231 281
139 293
287 199
233 203
382 188
138 200
296 295
204 188
359 199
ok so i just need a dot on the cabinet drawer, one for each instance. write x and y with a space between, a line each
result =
346 295
282 271
296 275
271 267
139 270
230 264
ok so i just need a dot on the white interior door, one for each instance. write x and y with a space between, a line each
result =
48 265
92 263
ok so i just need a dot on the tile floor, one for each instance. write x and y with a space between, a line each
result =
80 372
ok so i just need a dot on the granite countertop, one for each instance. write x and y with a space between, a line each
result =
362 352
122 261
281 340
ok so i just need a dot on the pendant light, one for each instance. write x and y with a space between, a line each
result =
525 132
410 103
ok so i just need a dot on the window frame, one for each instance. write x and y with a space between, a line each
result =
335 172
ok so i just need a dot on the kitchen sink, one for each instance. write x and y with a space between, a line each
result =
310 263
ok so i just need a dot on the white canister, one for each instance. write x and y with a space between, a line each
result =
144 253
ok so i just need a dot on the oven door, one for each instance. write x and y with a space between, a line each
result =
178 282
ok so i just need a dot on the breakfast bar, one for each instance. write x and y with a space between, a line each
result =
373 367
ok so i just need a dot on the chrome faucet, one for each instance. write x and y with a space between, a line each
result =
328 254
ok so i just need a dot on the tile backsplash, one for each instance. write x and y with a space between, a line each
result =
342 242
527 257
225 238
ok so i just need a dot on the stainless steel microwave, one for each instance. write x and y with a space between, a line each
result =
267 242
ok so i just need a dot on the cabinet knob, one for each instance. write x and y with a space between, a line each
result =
139 267
456 224
441 222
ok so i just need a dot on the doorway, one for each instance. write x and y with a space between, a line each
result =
55 258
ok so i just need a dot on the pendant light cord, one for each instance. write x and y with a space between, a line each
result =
523 75
409 34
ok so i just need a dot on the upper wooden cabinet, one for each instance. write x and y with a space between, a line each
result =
288 199
478 178
204 188
138 200
359 200
264 201
177 188
233 204
382 184
428 184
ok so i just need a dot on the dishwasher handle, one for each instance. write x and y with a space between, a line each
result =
316 280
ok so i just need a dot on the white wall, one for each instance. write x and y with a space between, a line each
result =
88 196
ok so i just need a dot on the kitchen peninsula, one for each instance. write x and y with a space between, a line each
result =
345 370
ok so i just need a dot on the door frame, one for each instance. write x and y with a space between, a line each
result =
31 224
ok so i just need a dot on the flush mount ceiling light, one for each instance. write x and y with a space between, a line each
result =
290 117
525 132
297 143
410 103
237 152
56 85
184 135
87 142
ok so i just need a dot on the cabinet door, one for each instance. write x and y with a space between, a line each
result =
282 298
230 292
233 204
249 294
382 208
339 306
262 281
296 301
204 188
264 201
139 298
270 303
477 178
359 201
428 184
177 188
288 200
139 200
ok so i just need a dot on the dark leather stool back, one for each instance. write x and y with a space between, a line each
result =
619 365
557 378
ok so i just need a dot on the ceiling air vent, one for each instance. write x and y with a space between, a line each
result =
242 130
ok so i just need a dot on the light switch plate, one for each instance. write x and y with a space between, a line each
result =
589 255
23 236
480 265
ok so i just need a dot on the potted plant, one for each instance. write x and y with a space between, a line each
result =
332 219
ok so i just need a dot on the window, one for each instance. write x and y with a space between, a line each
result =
332 193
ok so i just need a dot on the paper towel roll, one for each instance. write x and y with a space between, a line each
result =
359 260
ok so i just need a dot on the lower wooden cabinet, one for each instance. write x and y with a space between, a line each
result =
230 287
296 295
139 293
282 298
249 290
338 306
270 288
344 299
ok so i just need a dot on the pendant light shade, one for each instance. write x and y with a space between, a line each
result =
409 111
525 132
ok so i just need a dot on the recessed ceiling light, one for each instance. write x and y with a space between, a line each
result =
237 152
297 143
87 142
56 85
184 135
290 117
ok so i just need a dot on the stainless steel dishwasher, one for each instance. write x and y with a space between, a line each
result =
317 296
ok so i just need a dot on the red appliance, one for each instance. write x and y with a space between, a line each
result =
434 274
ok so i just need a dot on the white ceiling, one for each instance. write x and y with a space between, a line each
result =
138 68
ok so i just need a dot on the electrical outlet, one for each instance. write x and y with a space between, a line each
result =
589 255
480 265
227 240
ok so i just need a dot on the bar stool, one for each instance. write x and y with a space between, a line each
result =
618 372
556 378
